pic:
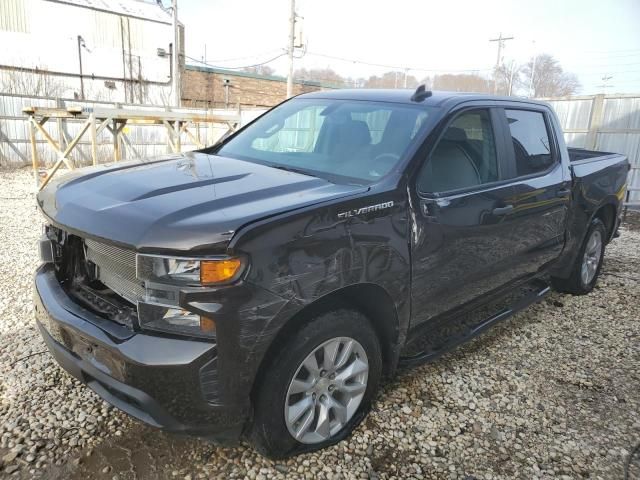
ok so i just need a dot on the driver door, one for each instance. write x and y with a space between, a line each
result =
463 241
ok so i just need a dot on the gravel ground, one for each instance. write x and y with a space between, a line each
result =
553 392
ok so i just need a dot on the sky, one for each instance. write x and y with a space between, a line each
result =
590 38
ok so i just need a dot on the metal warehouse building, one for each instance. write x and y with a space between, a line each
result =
109 50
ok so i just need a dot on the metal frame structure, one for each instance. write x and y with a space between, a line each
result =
114 120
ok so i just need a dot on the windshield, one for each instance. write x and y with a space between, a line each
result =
341 140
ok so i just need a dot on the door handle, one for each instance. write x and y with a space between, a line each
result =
507 209
564 192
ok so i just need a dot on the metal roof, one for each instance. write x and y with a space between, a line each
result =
145 10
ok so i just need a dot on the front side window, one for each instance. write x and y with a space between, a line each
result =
464 157
531 146
341 140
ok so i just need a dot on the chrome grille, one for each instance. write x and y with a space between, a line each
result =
116 268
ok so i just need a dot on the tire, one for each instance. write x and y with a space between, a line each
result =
275 396
577 284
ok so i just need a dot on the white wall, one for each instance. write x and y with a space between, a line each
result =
44 34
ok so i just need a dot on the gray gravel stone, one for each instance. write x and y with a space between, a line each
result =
553 392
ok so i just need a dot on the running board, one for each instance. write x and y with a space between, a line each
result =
431 354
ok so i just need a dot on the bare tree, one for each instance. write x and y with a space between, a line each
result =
139 87
40 83
464 82
507 78
549 78
393 79
265 70
325 75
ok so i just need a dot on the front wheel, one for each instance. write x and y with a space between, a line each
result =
319 387
588 263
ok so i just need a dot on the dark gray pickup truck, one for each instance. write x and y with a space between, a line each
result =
263 287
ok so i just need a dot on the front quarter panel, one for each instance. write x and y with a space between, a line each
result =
304 257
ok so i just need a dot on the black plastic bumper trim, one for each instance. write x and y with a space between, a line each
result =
149 352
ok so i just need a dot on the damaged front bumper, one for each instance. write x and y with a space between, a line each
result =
166 382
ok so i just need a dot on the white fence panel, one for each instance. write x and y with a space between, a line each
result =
147 140
610 123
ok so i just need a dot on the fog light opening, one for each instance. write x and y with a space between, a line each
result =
174 320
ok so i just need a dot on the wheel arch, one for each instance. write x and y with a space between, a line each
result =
370 299
606 213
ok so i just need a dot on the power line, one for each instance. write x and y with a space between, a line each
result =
613 51
224 60
609 65
237 68
268 52
622 55
401 68
623 72
637 80
396 67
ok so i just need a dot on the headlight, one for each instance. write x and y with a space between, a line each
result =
188 271
164 277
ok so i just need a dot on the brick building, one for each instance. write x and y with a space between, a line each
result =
218 88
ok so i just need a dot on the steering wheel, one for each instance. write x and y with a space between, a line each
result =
382 163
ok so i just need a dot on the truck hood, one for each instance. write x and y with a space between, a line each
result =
189 202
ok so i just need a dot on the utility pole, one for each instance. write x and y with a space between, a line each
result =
500 41
533 72
175 57
292 35
605 83
80 42
512 74
406 72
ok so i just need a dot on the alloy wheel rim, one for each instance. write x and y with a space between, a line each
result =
326 390
591 258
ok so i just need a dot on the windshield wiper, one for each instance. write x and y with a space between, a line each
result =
292 169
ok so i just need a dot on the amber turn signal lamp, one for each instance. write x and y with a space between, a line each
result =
217 271
207 324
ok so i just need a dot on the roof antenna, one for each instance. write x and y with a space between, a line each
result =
421 93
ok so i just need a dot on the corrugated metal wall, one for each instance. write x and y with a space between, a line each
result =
13 16
44 34
609 123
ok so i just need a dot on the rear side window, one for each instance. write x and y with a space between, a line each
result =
531 145
464 157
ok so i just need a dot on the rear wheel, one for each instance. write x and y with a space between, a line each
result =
319 387
586 268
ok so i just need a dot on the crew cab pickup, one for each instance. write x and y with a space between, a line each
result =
262 288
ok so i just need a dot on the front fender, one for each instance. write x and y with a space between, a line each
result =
310 255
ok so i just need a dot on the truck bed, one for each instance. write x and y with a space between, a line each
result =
580 154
